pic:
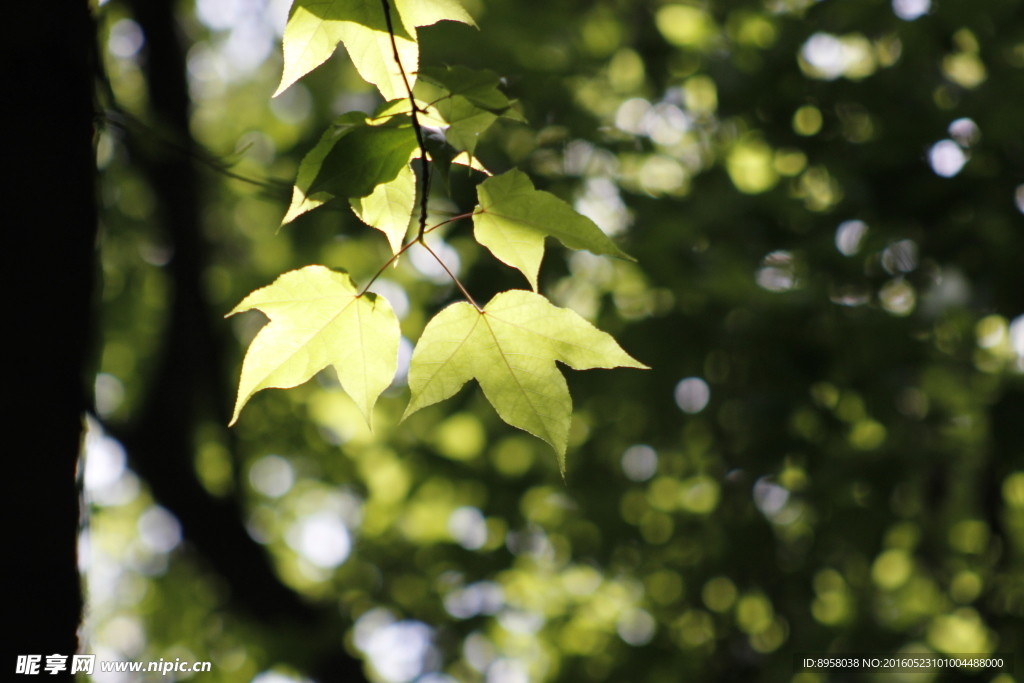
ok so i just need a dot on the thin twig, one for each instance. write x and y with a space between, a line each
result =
118 118
465 293
415 121
452 220
385 266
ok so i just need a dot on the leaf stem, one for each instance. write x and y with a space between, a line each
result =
385 266
458 284
415 121
452 220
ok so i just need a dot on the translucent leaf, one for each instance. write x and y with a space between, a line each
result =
427 12
315 27
513 219
466 122
510 348
317 318
309 169
390 206
364 158
427 113
464 159
479 87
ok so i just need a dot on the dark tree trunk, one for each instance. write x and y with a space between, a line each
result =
189 385
49 243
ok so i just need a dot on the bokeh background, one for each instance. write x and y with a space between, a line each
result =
825 203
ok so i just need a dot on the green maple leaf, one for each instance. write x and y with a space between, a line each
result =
364 158
389 207
318 318
512 220
480 87
510 348
366 163
315 27
302 199
466 122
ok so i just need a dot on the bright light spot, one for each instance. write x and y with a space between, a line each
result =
807 120
394 293
321 538
751 166
1019 197
825 53
583 159
965 132
639 463
404 356
661 174
468 526
483 597
1017 335
908 10
104 461
849 236
207 70
602 204
991 331
898 296
276 677
125 634
692 395
294 105
684 26
850 296
126 39
946 158
630 116
435 677
272 476
159 529
219 15
828 57
248 46
109 394
478 651
777 272
424 262
665 124
396 650
636 627
900 257
108 481
518 621
277 15
507 671
700 95
699 494
769 497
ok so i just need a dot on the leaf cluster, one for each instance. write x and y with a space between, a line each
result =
320 318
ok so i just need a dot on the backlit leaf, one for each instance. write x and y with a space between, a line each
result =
315 27
427 12
317 319
389 207
510 348
480 87
309 169
364 158
513 219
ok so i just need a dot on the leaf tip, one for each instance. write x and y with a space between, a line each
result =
281 87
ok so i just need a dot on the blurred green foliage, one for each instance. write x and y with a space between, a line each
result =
825 202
